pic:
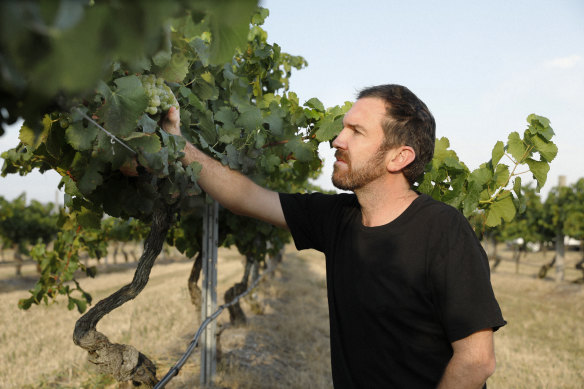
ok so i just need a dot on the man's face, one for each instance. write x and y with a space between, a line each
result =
360 159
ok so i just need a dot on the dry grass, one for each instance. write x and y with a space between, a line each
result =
286 345
542 346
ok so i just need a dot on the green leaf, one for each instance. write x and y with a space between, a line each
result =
227 132
517 187
502 209
315 104
89 219
123 106
228 135
147 124
177 68
539 169
30 137
547 149
226 116
162 58
260 140
205 90
498 152
275 119
516 147
250 119
80 137
471 201
193 171
92 177
302 151
80 304
139 141
270 162
329 128
441 149
91 271
25 303
157 162
229 23
501 175
540 125
481 176
207 127
232 157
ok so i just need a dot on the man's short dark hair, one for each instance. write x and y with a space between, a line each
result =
408 123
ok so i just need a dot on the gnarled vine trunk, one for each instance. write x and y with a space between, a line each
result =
124 362
194 290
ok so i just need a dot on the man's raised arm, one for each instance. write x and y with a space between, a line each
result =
230 188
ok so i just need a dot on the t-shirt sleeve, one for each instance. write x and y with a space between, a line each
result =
460 276
306 217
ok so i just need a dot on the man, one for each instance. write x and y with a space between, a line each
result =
410 301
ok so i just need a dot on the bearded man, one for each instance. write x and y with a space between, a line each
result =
410 299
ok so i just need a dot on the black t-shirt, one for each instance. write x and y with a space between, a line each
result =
399 294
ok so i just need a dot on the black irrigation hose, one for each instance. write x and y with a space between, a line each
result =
176 368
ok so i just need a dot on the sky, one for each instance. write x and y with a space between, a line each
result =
481 68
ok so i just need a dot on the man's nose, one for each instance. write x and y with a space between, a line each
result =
339 141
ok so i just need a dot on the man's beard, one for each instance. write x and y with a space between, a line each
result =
356 179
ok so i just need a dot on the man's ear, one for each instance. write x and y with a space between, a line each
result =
399 158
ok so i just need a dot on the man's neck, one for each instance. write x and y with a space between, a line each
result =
383 201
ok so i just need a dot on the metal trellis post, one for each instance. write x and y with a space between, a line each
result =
210 242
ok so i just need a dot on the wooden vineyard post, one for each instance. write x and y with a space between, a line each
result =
560 239
209 305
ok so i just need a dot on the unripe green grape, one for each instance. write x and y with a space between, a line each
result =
160 96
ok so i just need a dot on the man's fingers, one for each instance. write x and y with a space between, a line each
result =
171 123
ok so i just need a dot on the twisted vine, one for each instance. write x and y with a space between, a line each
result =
124 362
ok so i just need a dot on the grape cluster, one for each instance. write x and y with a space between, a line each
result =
160 95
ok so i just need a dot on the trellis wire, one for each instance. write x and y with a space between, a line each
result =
176 368
112 136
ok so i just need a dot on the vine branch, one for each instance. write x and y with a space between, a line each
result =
124 362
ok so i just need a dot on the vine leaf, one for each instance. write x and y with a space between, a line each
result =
301 150
547 150
92 177
147 124
498 152
176 70
30 137
148 143
228 28
515 146
502 208
275 119
123 106
80 137
315 104
89 219
540 125
329 128
540 170
250 118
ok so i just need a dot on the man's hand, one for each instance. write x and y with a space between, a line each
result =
171 122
